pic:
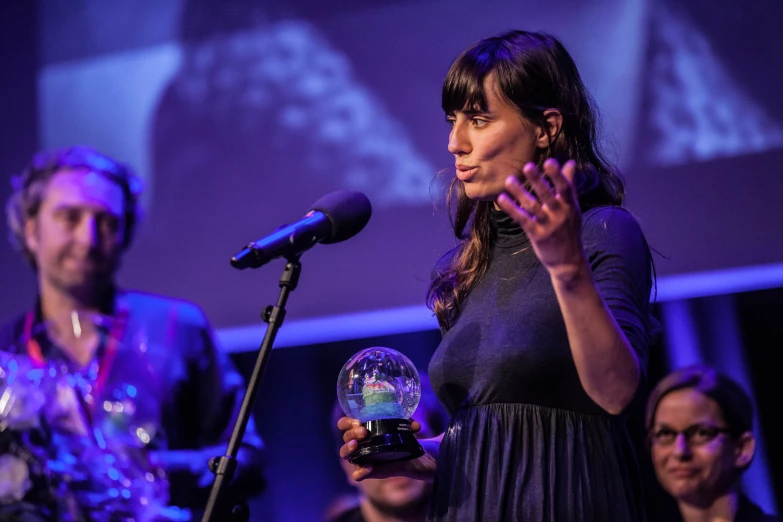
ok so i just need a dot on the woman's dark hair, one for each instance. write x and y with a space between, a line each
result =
29 187
734 403
534 72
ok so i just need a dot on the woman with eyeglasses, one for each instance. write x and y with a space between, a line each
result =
700 427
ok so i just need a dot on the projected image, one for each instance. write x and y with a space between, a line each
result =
287 93
240 115
699 111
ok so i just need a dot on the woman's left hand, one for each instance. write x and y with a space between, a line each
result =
550 216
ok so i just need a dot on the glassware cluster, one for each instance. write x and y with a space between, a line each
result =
90 447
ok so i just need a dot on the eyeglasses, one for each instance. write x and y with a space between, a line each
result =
695 435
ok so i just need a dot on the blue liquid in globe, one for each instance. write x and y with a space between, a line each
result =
388 410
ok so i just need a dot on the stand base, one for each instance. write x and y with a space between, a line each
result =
388 440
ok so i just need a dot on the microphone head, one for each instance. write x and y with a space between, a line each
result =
348 212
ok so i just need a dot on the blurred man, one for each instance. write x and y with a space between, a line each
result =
700 425
398 499
73 214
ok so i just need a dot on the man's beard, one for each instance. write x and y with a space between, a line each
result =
86 286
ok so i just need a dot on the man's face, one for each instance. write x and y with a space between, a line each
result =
76 237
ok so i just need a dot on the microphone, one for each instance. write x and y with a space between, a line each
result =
335 217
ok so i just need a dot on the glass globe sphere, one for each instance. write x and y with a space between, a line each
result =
378 383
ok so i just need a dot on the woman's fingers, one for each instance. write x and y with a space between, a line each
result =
518 214
353 430
539 185
357 433
361 473
348 448
562 179
519 203
346 423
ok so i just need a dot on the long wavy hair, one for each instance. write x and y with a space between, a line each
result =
535 73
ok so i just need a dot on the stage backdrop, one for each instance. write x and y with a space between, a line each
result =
239 115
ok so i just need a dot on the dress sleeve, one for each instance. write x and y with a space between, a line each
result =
622 269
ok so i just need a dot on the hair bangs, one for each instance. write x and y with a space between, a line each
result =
463 88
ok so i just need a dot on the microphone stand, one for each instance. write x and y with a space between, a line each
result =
218 509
